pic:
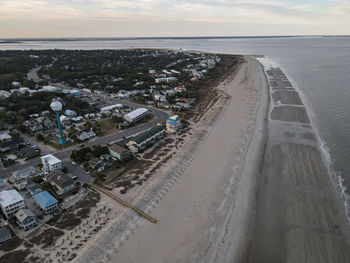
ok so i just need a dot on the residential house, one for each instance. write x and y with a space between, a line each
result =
97 164
26 219
14 143
86 134
4 186
119 152
5 136
33 188
147 138
51 163
33 125
20 178
47 203
10 202
64 120
5 235
63 183
49 124
29 151
70 113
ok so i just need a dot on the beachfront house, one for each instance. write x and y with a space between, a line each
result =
26 219
61 182
119 152
173 123
46 202
10 202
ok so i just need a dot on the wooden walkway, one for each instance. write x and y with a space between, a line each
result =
123 202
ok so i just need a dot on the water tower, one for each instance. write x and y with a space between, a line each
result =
56 106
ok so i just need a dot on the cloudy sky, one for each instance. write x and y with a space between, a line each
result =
124 18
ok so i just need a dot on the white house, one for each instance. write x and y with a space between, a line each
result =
10 202
51 163
86 135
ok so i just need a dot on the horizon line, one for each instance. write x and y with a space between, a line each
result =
159 37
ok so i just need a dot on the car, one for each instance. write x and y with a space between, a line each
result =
74 177
74 163
82 145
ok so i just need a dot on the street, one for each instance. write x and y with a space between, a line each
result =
64 155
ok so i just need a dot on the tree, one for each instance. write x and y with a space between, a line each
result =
65 169
40 137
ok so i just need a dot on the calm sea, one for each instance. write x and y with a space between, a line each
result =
319 66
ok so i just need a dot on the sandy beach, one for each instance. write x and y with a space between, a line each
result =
249 185
192 215
300 215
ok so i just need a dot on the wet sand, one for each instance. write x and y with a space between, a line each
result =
300 215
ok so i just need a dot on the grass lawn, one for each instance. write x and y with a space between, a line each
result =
107 127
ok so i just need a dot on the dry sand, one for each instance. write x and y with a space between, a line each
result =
192 215
300 217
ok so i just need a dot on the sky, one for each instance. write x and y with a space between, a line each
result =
157 18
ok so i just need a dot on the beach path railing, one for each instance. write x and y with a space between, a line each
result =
123 202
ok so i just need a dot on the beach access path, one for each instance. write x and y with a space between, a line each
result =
192 215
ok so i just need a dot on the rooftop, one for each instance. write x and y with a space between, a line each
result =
116 148
50 159
23 214
4 232
45 199
135 113
27 170
9 197
174 118
60 179
147 134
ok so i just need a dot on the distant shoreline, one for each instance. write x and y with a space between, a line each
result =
16 40
10 42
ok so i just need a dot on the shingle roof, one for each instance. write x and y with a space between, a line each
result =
23 214
30 170
44 199
147 134
4 232
15 142
60 179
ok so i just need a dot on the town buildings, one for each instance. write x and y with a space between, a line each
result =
147 138
136 115
51 163
173 123
10 202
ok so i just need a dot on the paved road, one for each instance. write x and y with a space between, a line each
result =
160 116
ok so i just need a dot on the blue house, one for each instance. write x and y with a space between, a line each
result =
46 202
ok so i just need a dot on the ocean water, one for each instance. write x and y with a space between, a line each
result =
318 66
